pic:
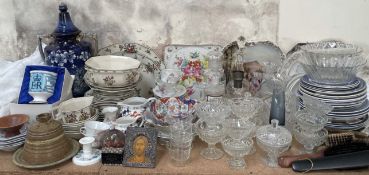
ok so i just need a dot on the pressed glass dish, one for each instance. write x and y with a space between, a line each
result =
237 128
274 140
237 149
311 122
247 107
332 61
310 140
213 111
211 135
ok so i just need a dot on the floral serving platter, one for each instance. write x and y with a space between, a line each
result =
148 58
192 60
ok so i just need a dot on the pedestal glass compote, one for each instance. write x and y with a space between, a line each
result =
211 134
274 140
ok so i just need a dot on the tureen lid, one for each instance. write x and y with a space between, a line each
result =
274 135
65 26
44 128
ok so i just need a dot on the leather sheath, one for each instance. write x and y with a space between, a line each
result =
343 161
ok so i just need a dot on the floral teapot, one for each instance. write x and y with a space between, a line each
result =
171 104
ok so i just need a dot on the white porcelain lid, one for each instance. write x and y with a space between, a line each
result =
110 62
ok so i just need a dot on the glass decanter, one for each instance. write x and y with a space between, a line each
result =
274 140
235 88
211 134
214 75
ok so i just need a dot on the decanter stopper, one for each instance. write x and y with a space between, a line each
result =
65 26
237 79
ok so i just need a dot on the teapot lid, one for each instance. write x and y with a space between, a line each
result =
65 26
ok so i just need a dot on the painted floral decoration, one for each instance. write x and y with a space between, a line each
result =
192 69
109 80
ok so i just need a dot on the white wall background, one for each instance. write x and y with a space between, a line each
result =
160 22
313 20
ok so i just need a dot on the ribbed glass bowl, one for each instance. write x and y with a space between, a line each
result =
332 61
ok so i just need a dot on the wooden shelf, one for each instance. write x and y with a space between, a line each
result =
197 165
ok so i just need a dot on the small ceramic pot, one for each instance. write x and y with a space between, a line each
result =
133 107
93 128
74 110
11 125
41 85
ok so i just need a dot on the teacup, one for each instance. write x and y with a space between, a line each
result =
168 80
171 76
41 85
93 128
75 110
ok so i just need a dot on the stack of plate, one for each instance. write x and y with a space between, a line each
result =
348 99
72 130
112 78
109 96
13 143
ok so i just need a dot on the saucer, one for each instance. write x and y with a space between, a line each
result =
81 161
178 91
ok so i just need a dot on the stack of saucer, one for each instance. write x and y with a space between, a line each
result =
72 130
348 99
112 79
13 143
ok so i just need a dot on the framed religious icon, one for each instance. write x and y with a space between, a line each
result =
140 147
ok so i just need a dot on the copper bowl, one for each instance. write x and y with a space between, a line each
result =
11 124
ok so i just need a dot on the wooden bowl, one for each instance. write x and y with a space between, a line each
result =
11 124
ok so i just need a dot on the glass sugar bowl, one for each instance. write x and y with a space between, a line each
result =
274 140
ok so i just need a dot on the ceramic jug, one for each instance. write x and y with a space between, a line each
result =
66 49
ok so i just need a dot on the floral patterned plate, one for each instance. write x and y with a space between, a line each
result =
191 60
152 63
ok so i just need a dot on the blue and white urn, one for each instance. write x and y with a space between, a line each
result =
67 51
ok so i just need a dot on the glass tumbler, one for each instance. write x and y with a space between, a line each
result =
179 153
